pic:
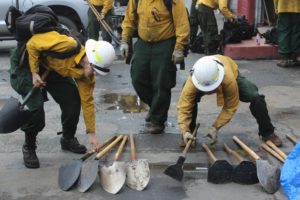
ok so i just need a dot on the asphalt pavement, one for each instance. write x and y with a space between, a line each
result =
119 111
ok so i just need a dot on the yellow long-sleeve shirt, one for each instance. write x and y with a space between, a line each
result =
107 4
227 96
68 67
155 23
290 6
222 5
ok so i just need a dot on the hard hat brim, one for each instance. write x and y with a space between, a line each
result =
212 86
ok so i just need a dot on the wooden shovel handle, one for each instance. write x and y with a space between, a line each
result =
121 147
187 146
292 138
272 152
246 148
106 149
132 148
210 154
233 153
276 149
106 142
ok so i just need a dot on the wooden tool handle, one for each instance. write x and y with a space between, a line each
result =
292 138
272 152
106 142
246 148
276 149
121 147
187 146
210 154
106 149
233 153
132 147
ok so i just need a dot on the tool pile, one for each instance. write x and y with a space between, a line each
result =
82 173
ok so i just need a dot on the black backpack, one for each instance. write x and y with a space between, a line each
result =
271 36
197 45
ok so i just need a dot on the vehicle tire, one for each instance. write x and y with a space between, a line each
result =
68 23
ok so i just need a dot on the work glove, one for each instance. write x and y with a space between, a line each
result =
212 135
124 48
187 136
197 6
177 56
102 15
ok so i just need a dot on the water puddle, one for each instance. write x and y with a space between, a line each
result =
126 103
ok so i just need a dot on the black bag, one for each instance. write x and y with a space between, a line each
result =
237 30
38 19
271 36
10 19
197 45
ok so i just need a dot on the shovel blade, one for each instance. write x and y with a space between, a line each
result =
113 177
68 174
268 176
175 171
138 174
220 172
88 175
245 173
12 116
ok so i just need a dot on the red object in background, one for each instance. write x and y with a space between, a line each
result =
246 8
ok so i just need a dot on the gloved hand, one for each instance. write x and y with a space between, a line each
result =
187 136
197 6
124 48
212 135
177 56
102 15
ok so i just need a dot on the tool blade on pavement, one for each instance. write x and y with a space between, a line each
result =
68 174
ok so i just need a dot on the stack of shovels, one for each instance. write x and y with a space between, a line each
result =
82 173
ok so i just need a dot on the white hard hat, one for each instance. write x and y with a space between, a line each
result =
208 73
100 54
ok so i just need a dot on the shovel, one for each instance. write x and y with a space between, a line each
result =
245 172
90 168
13 114
68 173
272 152
220 171
137 171
276 149
267 174
176 170
292 138
112 178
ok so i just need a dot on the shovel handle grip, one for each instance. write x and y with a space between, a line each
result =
121 147
233 153
292 138
187 146
132 148
106 149
276 149
246 148
272 152
209 152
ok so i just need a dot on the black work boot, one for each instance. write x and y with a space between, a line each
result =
72 145
29 156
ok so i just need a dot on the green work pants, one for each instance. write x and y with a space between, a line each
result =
63 90
209 28
248 92
153 75
193 22
288 27
94 25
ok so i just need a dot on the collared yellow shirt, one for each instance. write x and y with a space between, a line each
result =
222 5
107 4
227 96
290 6
155 23
68 67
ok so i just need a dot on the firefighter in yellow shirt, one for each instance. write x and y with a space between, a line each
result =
206 19
163 32
219 74
105 8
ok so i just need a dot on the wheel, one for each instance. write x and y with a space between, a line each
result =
69 24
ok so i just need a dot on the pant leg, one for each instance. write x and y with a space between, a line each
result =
64 91
104 34
284 28
295 35
248 92
193 22
93 27
209 28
